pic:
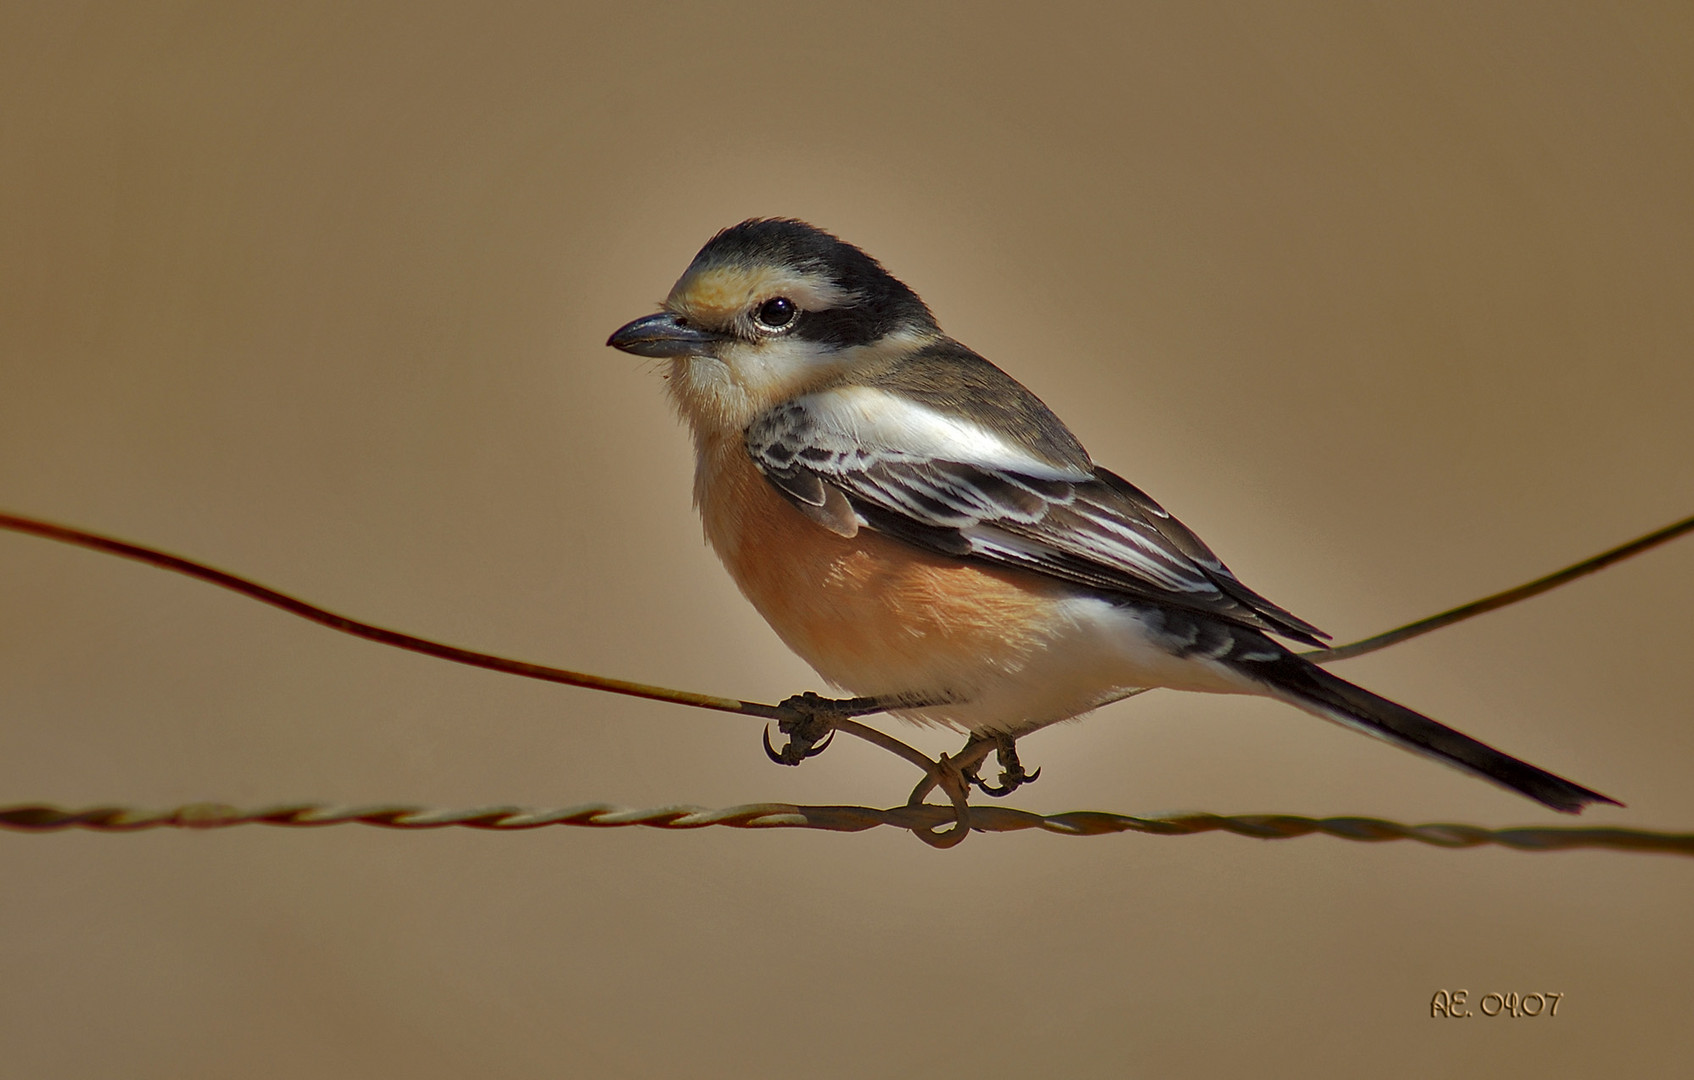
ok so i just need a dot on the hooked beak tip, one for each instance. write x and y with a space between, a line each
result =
662 335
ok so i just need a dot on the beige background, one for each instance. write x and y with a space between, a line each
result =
1391 303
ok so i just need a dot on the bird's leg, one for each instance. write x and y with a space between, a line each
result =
970 757
1012 775
809 721
809 725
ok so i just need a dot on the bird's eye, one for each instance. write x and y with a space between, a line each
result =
776 313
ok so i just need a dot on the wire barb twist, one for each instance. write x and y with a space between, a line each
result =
810 722
40 818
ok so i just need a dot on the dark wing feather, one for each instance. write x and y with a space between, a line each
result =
1094 529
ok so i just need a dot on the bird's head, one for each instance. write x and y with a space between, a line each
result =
771 308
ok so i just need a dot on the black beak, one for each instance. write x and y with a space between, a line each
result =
663 335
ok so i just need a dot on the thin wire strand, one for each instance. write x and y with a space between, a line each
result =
920 819
864 707
382 635
1501 599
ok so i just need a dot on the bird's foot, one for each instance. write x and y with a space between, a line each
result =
1012 775
809 724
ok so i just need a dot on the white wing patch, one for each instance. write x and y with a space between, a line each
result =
866 420
861 457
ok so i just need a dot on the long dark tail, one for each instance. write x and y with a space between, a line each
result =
1302 683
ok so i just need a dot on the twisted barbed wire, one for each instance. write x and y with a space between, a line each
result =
949 774
920 818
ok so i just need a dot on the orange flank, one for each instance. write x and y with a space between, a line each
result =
871 614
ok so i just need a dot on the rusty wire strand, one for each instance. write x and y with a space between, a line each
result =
1502 599
923 820
862 706
39 818
370 632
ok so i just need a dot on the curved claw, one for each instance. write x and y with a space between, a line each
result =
814 751
770 751
796 749
1009 782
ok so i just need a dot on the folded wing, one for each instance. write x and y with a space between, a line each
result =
856 458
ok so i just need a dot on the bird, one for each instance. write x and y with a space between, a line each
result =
922 529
